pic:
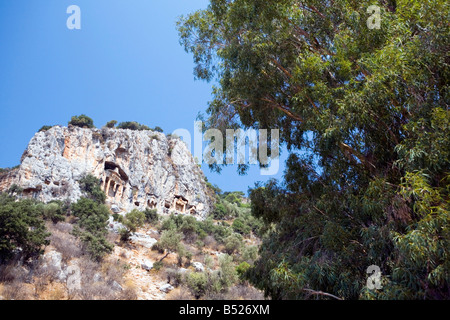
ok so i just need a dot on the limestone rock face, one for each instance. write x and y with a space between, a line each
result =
137 169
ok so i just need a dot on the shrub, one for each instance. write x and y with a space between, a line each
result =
158 265
157 247
132 221
92 216
82 121
228 275
220 211
239 226
65 243
132 125
95 245
45 128
90 185
172 222
242 268
197 283
174 277
111 124
53 211
250 253
220 233
151 216
14 190
158 129
93 219
170 241
21 226
233 243
117 217
189 226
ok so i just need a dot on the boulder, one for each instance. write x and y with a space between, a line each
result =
166 288
116 286
147 265
198 266
142 240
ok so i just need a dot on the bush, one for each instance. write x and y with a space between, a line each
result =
132 125
132 221
53 211
227 273
82 121
220 211
241 269
250 254
170 240
92 216
221 232
95 245
189 227
172 222
45 128
158 265
111 124
197 283
93 219
174 277
233 243
239 226
151 216
90 185
21 226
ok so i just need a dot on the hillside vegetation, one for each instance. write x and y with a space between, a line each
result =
189 259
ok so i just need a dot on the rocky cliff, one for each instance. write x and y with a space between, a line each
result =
137 169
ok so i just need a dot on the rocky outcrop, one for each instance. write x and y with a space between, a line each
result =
137 169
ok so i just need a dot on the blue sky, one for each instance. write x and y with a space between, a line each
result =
124 64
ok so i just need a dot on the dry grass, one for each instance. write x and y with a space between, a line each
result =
16 290
64 242
244 292
180 294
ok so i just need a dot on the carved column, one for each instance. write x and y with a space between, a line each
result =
107 187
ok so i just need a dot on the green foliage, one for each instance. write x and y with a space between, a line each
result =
92 219
233 243
172 222
151 216
158 265
242 269
240 227
364 115
171 241
132 125
111 124
214 188
91 215
220 211
90 185
96 245
227 272
158 129
82 121
14 190
21 228
53 211
131 222
45 128
189 226
197 283
250 254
